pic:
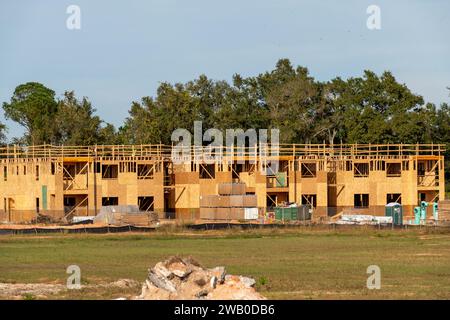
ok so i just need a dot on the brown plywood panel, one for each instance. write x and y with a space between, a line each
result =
321 176
231 188
260 178
237 213
225 188
236 200
238 188
250 201
222 213
186 178
223 177
223 201
207 213
211 201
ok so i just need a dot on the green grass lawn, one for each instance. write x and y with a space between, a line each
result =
287 264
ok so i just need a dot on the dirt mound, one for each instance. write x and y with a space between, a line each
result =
185 279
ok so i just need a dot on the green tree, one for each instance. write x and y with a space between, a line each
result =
76 123
33 106
242 106
154 120
293 100
141 126
332 113
380 110
368 109
2 133
442 128
209 98
108 135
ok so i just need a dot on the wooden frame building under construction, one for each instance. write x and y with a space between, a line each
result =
63 181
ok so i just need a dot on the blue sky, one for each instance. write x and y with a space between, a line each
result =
126 48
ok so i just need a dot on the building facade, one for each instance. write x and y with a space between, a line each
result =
75 181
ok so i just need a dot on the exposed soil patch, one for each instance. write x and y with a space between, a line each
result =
30 291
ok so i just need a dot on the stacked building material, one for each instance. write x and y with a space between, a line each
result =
231 188
230 204
444 211
125 215
225 201
137 219
364 219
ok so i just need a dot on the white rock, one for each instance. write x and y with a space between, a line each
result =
213 282
248 282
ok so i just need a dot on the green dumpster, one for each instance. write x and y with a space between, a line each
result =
285 213
278 213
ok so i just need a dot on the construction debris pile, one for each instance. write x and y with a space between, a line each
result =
185 279
363 219
125 215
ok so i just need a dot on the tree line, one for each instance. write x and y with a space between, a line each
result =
368 109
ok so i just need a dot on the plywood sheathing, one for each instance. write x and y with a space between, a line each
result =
179 191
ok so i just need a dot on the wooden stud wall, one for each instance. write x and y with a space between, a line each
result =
177 187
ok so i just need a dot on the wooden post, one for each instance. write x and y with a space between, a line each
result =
95 180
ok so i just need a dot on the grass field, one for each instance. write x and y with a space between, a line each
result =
287 264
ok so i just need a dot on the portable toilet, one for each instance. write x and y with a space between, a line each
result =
417 212
423 210
435 211
395 211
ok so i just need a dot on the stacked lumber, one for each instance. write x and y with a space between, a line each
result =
127 218
231 188
225 201
135 219
444 210
230 204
